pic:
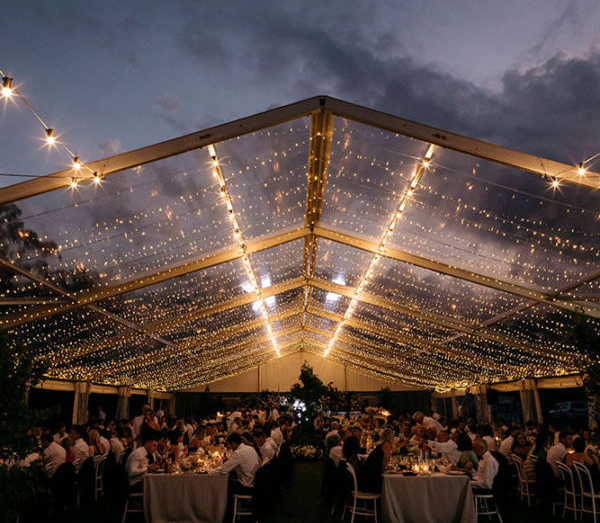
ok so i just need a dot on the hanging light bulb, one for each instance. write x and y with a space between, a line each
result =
76 163
97 178
581 169
7 87
50 138
555 183
73 183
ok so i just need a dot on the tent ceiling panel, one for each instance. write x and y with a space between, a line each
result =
492 219
368 171
431 291
150 218
265 174
340 263
278 264
169 299
329 301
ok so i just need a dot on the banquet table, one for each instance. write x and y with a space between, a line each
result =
193 498
435 498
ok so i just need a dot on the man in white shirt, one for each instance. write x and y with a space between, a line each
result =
277 436
507 443
139 420
445 446
483 477
61 434
105 444
559 451
137 463
244 462
54 454
333 429
266 446
427 422
80 448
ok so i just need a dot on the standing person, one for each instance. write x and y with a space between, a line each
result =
138 420
61 433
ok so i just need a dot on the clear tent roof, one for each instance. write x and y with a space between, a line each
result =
407 252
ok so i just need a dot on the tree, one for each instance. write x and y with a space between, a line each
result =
20 488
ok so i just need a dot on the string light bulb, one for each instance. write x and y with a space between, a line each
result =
73 183
581 169
97 178
555 183
7 87
50 138
76 163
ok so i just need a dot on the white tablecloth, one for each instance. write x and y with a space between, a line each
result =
427 499
189 498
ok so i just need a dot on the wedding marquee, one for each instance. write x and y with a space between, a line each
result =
378 248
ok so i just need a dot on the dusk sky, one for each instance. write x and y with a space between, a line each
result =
112 76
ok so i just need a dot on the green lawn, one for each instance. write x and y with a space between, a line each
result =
301 503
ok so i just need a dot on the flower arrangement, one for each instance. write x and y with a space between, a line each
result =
306 452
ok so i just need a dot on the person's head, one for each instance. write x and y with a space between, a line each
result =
46 439
356 431
387 436
585 434
350 447
486 430
145 407
514 430
566 438
149 414
234 440
520 440
419 417
334 425
76 432
480 447
431 433
94 437
442 436
259 437
578 444
464 442
62 428
151 444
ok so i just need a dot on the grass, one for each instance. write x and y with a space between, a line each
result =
301 504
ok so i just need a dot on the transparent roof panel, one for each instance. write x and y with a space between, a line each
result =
501 222
265 174
141 220
173 297
368 171
340 264
278 264
431 291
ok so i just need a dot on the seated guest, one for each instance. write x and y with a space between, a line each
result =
116 445
138 463
150 427
507 443
277 435
95 447
483 477
376 463
267 448
333 429
80 449
581 456
61 433
350 451
559 451
445 446
468 458
521 446
54 454
104 441
67 444
197 440
336 452
538 452
244 462
487 435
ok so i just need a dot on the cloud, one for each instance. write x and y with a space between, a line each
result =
110 147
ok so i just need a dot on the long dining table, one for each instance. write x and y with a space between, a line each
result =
431 498
193 498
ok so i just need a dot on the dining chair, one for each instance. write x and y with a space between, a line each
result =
586 491
485 504
569 491
357 496
133 505
523 486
